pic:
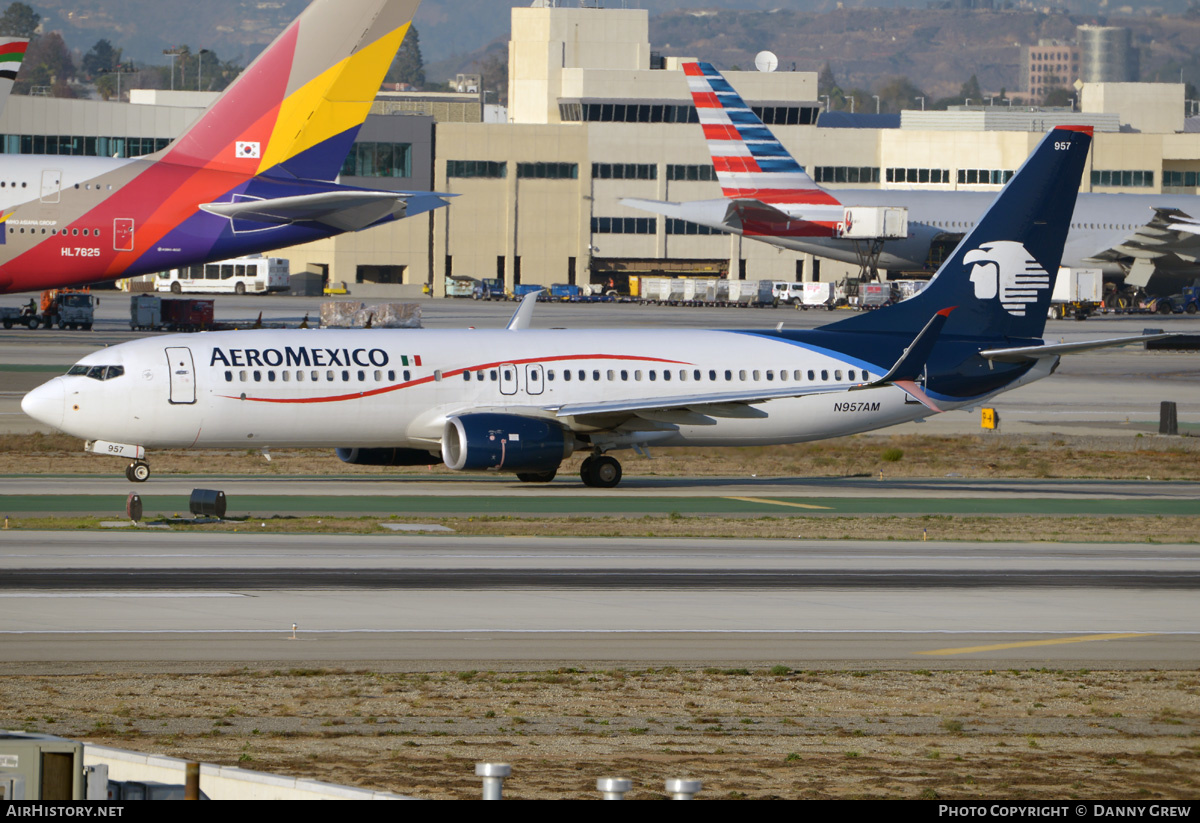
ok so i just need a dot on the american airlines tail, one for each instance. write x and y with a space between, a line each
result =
766 192
750 162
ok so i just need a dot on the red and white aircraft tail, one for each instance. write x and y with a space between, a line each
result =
766 192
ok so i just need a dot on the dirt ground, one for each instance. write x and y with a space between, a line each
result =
754 734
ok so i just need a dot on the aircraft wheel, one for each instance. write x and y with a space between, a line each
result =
138 472
601 472
537 477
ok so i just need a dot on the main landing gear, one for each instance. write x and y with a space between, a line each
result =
137 471
600 471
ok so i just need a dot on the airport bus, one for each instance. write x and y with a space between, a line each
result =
242 275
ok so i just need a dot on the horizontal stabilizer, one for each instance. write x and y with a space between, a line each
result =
1023 354
342 210
748 210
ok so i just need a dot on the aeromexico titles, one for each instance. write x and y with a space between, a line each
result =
520 400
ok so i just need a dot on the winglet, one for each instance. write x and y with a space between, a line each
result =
523 316
912 361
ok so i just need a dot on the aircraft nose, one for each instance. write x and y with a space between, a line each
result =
47 403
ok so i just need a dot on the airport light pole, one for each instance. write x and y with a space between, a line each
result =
828 103
922 99
173 53
876 96
118 71
200 66
852 104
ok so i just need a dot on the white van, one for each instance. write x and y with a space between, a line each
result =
242 275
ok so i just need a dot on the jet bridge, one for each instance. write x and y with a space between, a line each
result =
868 228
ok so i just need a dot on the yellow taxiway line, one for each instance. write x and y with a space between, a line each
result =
778 503
1087 638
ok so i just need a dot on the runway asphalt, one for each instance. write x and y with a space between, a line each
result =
407 598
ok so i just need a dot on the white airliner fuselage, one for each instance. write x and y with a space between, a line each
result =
364 390
1102 223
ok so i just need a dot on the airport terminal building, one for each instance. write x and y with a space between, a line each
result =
594 116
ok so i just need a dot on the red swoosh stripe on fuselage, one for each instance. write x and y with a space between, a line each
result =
454 373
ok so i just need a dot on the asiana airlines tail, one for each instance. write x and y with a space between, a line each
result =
521 401
255 172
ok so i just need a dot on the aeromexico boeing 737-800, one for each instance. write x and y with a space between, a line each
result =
520 400
769 197
255 172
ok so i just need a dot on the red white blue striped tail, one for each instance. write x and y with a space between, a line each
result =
749 161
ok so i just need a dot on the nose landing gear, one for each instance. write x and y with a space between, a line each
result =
600 471
137 471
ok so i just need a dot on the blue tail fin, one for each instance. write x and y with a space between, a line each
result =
1001 276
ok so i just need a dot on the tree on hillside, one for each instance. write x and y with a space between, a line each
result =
493 75
47 63
19 20
826 82
101 57
899 94
971 91
1059 97
407 66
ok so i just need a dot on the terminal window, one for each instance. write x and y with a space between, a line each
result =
378 160
1123 177
679 171
897 175
846 174
548 171
624 171
624 225
985 177
476 168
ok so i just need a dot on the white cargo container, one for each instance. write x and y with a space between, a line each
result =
869 222
1077 293
818 295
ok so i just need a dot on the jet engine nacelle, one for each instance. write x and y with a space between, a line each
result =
387 457
504 442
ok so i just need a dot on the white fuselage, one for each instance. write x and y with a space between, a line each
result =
377 388
1101 222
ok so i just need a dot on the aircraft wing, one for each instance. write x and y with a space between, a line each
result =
1021 354
343 210
715 404
1170 239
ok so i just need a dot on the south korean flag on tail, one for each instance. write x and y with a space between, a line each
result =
248 149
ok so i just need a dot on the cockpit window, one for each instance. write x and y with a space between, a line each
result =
97 372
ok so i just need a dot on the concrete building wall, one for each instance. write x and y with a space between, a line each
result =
545 41
1156 108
